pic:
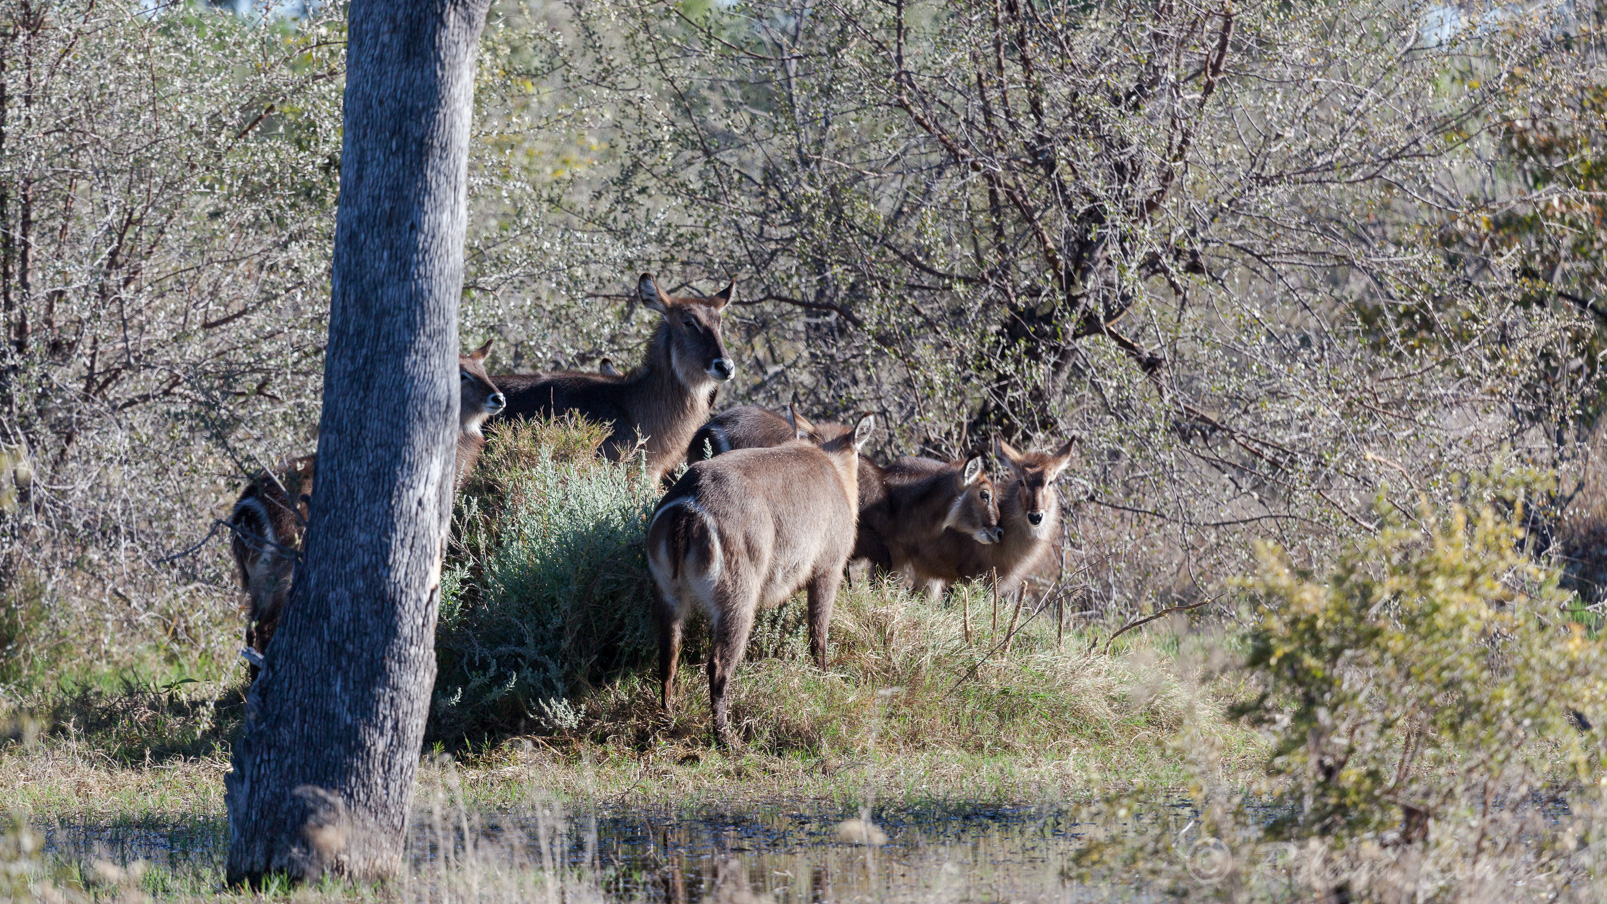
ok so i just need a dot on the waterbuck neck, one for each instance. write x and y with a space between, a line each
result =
667 410
847 466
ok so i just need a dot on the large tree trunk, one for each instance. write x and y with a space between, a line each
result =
324 768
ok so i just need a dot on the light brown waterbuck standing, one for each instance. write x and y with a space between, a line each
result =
659 404
270 517
925 501
742 532
1029 516
752 427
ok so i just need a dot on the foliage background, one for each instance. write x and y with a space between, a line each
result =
1291 271
1267 260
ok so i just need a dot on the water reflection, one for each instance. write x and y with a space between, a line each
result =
788 854
782 852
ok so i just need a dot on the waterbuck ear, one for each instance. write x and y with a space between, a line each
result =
1057 465
973 470
861 431
792 418
647 292
804 424
1008 453
480 353
606 368
724 296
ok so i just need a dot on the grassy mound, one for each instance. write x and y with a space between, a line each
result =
902 675
546 630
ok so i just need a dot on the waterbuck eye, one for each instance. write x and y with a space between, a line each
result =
986 495
689 323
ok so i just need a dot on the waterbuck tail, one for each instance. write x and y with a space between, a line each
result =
683 541
251 534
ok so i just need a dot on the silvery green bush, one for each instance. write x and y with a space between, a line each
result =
547 590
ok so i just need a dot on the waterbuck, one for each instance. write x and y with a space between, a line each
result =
926 501
1029 516
742 532
270 517
752 427
659 404
744 427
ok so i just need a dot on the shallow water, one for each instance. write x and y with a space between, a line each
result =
799 854
783 852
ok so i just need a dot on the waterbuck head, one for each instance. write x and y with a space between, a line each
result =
975 510
479 397
693 332
1032 490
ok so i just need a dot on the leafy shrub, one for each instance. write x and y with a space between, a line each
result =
547 590
1434 671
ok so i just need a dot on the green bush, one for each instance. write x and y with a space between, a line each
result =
546 591
1435 670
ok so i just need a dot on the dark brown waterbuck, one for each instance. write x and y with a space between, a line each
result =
1029 517
659 404
925 501
742 532
270 517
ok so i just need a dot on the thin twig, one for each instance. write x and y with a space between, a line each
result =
972 672
965 618
216 523
995 585
1164 612
1010 634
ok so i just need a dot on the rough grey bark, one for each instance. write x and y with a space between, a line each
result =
324 768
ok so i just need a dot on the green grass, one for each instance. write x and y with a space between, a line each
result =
906 710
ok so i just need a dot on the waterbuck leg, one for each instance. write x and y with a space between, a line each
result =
822 596
730 643
667 617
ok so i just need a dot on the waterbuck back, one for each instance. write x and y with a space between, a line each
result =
270 517
868 544
926 501
752 427
660 403
742 532
1029 519
744 427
